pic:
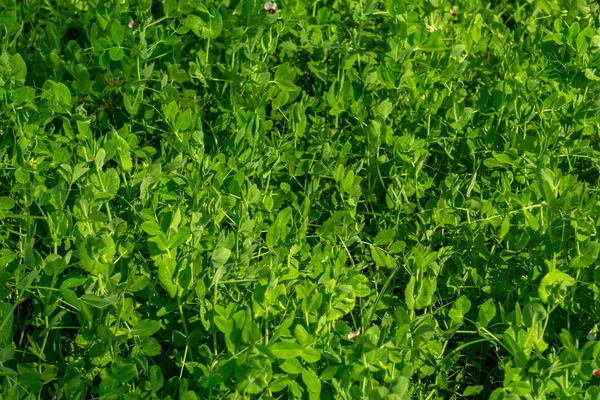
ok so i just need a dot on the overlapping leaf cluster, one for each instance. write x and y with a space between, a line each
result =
200 199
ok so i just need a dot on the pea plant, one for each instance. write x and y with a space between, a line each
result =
353 199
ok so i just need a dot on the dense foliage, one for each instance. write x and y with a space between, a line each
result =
348 199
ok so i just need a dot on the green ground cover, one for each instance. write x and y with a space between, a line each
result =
349 199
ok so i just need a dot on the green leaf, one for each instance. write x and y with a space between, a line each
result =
399 386
554 37
284 217
188 395
426 289
487 312
179 238
146 327
588 255
97 254
348 181
384 109
19 68
80 169
285 72
157 379
6 324
268 203
30 379
7 353
384 237
151 228
166 273
301 334
61 95
533 313
169 6
460 309
170 111
132 103
214 26
379 256
505 226
286 350
397 247
286 85
409 293
532 221
6 203
591 75
220 257
117 33
513 347
184 121
116 53
458 50
311 355
105 333
319 69
99 161
472 390
223 324
465 116
292 366
550 190
311 380
574 30
329 373
99 302
194 23
27 280
551 282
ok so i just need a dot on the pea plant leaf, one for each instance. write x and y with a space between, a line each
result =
360 199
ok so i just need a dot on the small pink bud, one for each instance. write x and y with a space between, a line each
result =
132 24
354 335
271 7
596 373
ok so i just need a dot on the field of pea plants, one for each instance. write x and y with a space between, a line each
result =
299 199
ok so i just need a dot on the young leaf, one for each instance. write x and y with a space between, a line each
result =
169 6
486 313
116 53
379 256
460 309
166 273
384 237
505 226
146 327
409 293
220 257
588 255
19 68
533 313
552 280
99 161
117 33
286 350
426 288
311 380
6 324
292 366
157 379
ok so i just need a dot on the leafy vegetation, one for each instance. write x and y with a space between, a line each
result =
327 199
